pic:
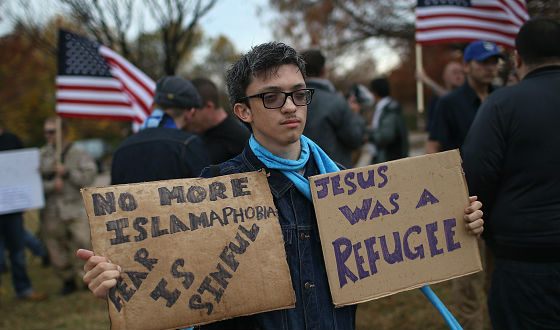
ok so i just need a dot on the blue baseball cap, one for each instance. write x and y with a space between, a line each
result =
480 51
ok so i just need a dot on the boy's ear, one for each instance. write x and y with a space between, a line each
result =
243 112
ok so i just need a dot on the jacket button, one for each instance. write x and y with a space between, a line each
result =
308 285
303 236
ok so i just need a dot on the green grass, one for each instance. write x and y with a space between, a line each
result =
408 310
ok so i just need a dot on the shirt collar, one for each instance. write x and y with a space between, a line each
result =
540 70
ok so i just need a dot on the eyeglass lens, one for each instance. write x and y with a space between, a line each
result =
275 100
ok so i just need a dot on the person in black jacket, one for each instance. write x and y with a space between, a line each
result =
224 136
162 150
331 123
512 161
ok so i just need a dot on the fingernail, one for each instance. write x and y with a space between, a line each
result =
119 268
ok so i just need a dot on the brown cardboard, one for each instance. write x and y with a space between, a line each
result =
252 279
414 195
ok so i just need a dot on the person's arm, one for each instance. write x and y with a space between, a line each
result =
100 274
48 174
437 88
483 153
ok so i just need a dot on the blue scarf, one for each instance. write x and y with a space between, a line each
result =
291 168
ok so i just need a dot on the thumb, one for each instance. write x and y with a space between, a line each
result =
84 254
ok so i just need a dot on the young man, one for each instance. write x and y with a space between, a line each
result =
267 91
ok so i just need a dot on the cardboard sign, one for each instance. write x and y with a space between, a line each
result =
393 227
193 251
20 182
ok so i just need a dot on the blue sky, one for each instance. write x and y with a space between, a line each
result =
240 22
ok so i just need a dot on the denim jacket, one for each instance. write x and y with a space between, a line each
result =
314 308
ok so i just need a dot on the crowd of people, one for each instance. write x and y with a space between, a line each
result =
287 118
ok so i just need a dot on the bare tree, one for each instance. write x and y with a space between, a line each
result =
178 21
335 23
108 22
544 8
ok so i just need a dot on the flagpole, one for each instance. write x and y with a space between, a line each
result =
419 84
58 142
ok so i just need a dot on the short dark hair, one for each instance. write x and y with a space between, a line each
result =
314 62
380 86
262 59
207 90
538 41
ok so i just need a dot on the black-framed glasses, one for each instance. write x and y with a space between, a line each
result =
275 100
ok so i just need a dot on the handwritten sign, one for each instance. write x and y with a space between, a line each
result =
193 251
20 182
393 227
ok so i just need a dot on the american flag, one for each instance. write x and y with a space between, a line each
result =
440 21
93 81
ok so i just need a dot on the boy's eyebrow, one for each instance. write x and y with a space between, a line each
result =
279 89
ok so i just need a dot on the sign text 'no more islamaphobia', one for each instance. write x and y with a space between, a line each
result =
192 251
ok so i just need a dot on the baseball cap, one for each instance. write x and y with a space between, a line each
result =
176 92
480 51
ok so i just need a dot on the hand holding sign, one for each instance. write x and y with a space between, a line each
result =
473 217
100 274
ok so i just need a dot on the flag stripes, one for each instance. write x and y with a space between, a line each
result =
95 82
439 21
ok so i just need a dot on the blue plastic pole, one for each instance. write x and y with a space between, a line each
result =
447 316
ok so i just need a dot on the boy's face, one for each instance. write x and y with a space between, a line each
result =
275 128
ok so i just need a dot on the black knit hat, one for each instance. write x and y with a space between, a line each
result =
176 92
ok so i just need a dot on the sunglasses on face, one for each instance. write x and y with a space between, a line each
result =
49 131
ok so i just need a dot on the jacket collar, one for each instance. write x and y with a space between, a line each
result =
538 71
278 182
